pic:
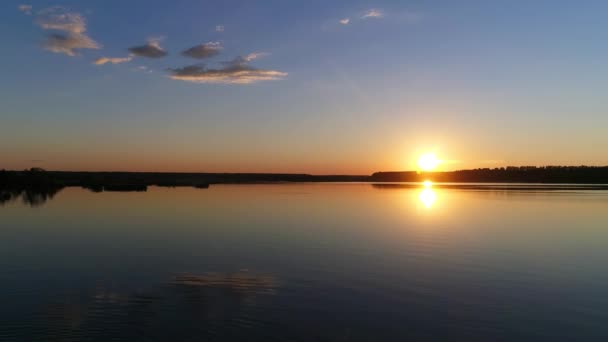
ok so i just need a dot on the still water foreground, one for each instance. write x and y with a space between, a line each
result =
306 262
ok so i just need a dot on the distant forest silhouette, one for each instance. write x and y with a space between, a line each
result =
509 174
35 186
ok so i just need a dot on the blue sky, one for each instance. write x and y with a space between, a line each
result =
482 83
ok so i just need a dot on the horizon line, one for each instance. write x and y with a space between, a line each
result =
531 167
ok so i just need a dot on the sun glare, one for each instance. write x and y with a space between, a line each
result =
428 162
428 197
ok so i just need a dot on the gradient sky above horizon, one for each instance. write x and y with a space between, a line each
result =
320 86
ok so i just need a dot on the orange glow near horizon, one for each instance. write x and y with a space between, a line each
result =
428 162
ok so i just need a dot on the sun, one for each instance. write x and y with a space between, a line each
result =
428 162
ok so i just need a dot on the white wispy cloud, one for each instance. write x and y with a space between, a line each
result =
27 9
373 13
151 49
142 68
69 43
112 60
237 71
219 28
355 18
58 18
252 56
69 31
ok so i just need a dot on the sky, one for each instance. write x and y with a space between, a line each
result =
321 87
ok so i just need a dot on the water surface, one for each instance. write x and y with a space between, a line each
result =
306 262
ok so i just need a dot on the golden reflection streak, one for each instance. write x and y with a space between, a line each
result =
427 196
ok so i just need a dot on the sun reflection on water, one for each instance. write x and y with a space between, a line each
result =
427 196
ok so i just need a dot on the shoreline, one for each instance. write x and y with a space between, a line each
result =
559 176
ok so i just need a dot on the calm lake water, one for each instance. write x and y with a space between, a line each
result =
306 262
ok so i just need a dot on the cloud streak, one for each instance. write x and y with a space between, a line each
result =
58 18
356 18
70 31
112 60
372 13
69 43
142 68
237 71
203 51
249 57
151 49
27 9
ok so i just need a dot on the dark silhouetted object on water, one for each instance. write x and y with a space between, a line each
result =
36 185
511 174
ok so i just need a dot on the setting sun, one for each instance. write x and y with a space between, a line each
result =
428 162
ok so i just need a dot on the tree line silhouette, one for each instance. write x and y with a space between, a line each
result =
510 174
36 185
